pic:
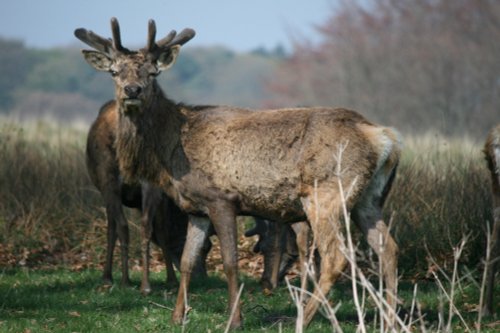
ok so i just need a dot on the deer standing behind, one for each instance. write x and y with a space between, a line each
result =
161 219
492 154
217 162
294 243
266 233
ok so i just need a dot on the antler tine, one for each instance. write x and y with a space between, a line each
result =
182 38
150 46
94 40
117 41
165 40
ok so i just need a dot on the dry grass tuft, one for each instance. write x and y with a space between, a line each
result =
442 192
50 213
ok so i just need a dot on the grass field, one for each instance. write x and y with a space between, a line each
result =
52 242
68 301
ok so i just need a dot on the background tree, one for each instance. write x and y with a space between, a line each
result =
57 84
418 65
15 64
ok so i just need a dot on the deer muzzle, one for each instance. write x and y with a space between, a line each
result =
132 101
132 90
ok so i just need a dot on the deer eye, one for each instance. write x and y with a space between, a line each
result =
113 73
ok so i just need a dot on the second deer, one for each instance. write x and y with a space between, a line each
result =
161 220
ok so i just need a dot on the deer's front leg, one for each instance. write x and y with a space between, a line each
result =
198 231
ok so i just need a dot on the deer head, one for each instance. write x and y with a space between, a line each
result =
134 72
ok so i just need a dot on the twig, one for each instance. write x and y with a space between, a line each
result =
186 310
457 252
453 307
421 319
485 275
413 304
351 254
160 305
233 310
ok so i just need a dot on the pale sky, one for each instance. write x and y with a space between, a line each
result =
239 25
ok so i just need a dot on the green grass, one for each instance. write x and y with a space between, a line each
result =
64 301
67 301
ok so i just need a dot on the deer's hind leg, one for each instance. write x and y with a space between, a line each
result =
117 229
197 233
111 236
151 215
367 214
324 217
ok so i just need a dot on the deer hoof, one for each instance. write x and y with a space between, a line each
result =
177 317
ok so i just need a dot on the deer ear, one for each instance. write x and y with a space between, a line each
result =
98 60
167 58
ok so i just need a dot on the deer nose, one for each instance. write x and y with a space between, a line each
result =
132 90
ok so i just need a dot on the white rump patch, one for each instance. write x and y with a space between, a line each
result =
387 142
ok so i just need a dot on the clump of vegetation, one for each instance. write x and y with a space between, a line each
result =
48 202
441 193
51 211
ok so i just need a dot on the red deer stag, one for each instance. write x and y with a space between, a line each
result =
492 153
161 220
217 162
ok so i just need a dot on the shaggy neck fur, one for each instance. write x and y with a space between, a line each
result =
145 132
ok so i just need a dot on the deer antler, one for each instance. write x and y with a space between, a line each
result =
109 46
150 46
94 40
167 41
117 40
185 36
105 45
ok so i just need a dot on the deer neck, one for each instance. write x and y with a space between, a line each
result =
147 140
